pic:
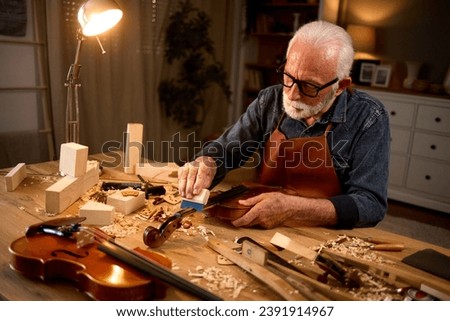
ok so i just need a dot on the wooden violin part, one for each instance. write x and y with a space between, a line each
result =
100 276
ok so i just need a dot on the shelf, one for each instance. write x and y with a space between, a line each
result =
270 26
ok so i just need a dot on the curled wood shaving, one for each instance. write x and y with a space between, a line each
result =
355 247
373 288
122 226
205 231
218 280
130 192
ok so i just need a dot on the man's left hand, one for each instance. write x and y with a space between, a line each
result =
268 210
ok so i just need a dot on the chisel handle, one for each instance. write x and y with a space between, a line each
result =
387 247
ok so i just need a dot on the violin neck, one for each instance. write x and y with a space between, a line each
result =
155 270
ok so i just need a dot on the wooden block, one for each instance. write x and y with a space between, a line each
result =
200 198
125 203
156 171
97 213
73 159
133 147
15 177
68 189
285 242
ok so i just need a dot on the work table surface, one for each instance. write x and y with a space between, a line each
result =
186 248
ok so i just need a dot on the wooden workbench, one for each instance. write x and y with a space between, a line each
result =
186 248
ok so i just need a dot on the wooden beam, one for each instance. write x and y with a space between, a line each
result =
68 189
133 147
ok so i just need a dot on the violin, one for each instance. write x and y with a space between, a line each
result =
223 205
101 268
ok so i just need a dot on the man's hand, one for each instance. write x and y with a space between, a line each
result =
196 175
274 209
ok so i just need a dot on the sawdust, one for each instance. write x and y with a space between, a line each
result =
218 281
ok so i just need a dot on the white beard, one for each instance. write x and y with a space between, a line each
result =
298 110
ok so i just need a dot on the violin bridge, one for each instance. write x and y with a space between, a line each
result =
84 238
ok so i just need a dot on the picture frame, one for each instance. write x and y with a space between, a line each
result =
382 76
366 72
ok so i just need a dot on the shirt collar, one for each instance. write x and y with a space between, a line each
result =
337 112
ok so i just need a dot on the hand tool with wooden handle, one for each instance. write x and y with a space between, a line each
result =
347 277
283 288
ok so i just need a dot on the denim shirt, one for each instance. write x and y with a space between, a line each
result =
359 142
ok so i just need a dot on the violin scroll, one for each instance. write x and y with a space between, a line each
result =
154 237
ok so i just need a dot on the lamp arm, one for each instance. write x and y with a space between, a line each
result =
72 104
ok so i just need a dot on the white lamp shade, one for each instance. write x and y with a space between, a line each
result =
98 16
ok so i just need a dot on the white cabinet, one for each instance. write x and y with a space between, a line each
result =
420 148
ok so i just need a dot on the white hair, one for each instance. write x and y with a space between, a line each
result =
322 34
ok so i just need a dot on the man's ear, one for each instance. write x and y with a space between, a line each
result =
343 84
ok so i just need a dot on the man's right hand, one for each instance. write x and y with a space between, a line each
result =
195 176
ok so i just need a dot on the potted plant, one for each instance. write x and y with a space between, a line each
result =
188 44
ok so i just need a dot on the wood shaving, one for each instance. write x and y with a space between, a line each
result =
355 247
373 288
218 280
205 232
122 226
130 192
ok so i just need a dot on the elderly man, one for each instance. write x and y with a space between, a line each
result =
328 143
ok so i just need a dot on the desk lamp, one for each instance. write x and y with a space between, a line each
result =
364 44
95 17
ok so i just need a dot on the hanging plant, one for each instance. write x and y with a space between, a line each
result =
188 43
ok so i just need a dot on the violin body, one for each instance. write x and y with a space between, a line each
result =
230 209
100 276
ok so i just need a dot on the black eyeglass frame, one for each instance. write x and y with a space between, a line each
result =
300 83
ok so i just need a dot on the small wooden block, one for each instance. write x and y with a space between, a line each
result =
97 213
126 204
15 177
166 172
200 198
285 242
73 159
68 189
133 147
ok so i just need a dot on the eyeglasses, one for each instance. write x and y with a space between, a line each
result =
306 88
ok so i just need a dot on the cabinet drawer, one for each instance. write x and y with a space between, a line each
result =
433 118
397 169
434 146
429 177
400 140
400 113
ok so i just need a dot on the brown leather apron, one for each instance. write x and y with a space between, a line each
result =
303 164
